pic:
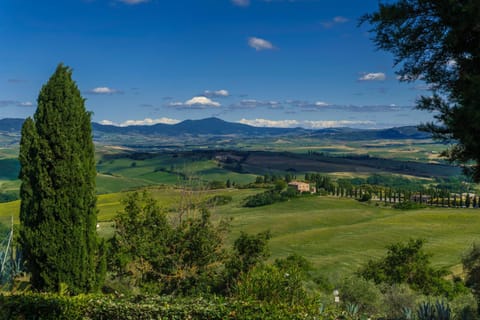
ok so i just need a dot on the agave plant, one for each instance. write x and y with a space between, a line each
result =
443 311
426 311
352 309
439 311
407 314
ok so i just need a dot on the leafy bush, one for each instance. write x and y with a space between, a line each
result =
272 284
397 298
365 197
408 263
409 205
219 200
363 293
151 253
40 306
269 197
248 251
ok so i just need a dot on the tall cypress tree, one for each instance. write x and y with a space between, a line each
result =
58 213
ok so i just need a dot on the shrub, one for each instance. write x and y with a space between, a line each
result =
219 200
363 293
272 284
365 197
397 298
409 205
409 263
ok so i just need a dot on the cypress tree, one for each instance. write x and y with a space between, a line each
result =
58 213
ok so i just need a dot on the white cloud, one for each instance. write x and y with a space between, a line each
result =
133 2
144 122
108 123
241 3
217 93
321 104
336 20
374 76
103 90
202 101
260 44
271 123
25 104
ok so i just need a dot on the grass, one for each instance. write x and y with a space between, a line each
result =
337 235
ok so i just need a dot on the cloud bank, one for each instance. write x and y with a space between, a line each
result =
144 122
320 124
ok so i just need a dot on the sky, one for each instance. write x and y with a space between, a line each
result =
283 63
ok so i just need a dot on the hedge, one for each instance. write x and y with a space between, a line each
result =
50 306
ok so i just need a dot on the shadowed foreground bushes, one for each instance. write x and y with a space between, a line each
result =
49 306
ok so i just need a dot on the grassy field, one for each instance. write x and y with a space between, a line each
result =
337 235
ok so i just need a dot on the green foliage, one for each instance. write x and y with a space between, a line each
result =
219 200
50 307
154 254
408 263
365 197
437 311
396 182
271 196
58 214
283 282
215 184
399 301
8 196
438 42
471 266
362 293
248 251
409 205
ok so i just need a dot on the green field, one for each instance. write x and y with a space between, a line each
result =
337 235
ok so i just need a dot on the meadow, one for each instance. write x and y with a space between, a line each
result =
337 235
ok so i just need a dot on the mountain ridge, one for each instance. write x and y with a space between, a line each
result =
217 127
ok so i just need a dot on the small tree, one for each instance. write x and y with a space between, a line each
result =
248 251
408 263
156 255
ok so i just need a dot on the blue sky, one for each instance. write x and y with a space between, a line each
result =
261 62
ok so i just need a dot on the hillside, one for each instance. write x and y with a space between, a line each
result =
337 235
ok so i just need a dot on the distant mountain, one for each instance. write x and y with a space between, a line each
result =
208 126
218 127
11 125
408 132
